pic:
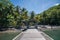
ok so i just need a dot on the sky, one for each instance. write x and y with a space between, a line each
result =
37 6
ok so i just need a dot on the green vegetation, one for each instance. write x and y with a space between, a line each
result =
14 16
55 34
51 16
8 36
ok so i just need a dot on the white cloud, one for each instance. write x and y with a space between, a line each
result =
57 4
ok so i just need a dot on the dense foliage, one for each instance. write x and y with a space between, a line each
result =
14 16
51 16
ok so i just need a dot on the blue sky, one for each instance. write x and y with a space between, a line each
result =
37 6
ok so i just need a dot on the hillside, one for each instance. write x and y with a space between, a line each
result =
51 16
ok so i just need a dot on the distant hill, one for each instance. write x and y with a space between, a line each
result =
51 16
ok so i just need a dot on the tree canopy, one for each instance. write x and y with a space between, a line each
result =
51 16
14 16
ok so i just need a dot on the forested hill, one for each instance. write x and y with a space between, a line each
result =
51 16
